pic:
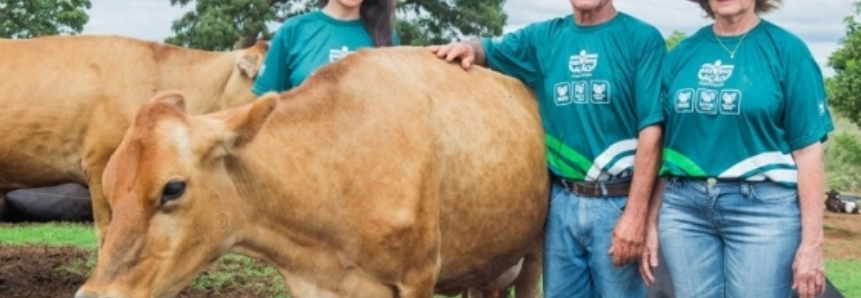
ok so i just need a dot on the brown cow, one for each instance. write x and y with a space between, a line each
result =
383 175
67 101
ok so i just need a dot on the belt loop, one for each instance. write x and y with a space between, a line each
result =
603 189
745 188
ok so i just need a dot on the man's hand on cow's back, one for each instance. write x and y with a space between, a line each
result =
628 238
463 51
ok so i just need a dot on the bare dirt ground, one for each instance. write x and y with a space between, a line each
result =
38 271
842 235
42 272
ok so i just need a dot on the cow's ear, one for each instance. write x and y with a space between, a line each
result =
247 64
246 121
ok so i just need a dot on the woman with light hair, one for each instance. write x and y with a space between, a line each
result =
746 115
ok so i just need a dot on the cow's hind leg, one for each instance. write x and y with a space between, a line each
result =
526 284
418 283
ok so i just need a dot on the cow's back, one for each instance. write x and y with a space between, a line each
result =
53 88
482 131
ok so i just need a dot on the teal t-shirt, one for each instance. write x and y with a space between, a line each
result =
597 87
742 116
305 43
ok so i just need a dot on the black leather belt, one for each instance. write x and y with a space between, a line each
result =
593 189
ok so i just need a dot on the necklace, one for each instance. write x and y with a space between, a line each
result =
731 53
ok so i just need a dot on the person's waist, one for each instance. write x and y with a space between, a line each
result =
612 187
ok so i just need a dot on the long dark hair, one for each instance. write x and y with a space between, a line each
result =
378 17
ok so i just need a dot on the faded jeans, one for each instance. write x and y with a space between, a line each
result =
578 235
729 239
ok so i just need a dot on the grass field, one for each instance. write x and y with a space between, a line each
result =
255 278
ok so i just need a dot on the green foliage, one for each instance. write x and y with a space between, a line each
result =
425 22
843 162
675 38
229 24
845 87
33 18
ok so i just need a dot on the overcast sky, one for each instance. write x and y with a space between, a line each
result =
817 22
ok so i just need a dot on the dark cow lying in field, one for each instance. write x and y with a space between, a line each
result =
66 202
383 175
839 203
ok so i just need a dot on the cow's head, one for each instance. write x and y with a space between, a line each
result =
237 90
175 208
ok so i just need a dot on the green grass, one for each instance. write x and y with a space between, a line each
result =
54 234
233 271
845 275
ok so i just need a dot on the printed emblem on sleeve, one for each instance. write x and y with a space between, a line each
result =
707 103
730 102
684 100
714 74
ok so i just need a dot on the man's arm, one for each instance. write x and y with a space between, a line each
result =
628 235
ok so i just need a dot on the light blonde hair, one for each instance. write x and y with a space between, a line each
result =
762 6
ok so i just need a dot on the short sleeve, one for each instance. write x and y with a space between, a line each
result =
274 73
514 54
649 81
806 116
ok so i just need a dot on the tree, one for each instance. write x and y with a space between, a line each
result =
845 86
675 38
842 162
32 18
229 24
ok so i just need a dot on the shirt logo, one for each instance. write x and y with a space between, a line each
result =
600 92
715 74
707 101
730 102
562 91
338 54
583 64
580 91
822 108
683 101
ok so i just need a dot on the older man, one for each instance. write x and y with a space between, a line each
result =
596 75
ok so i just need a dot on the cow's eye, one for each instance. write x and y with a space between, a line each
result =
172 191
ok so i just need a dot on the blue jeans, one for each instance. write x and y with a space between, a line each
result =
578 235
729 239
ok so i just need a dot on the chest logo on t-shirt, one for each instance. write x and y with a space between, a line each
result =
582 90
338 54
583 64
715 74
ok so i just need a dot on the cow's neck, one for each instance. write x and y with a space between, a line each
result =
208 68
289 178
